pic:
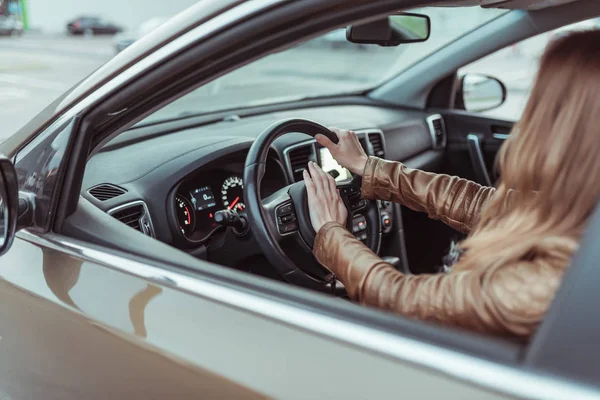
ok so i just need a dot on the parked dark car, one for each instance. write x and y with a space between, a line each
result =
92 26
10 26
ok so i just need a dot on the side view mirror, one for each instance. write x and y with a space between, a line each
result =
392 30
9 204
480 93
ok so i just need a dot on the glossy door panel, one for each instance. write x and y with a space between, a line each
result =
75 329
49 352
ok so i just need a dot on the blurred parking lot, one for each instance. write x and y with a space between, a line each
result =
35 69
39 64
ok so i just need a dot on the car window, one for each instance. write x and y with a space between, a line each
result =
38 165
326 66
516 66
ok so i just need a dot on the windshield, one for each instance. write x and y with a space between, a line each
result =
326 66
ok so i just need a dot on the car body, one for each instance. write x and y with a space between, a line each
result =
92 25
10 25
91 308
126 39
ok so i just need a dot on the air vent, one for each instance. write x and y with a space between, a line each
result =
106 191
134 215
376 140
298 158
438 131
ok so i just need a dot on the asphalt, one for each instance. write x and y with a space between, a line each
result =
36 69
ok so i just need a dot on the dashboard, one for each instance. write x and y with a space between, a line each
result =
170 181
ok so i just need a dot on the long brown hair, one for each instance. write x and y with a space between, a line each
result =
550 165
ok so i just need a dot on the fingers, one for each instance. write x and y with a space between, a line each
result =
342 133
342 210
325 202
354 138
324 141
310 186
333 192
318 181
324 182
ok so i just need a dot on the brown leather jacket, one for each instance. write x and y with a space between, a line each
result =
511 301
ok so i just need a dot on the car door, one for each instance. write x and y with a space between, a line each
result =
85 321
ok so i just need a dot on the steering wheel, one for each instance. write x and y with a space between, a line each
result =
281 223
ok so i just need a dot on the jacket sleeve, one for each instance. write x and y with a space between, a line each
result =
509 300
455 201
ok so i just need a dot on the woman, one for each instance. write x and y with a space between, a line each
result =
521 234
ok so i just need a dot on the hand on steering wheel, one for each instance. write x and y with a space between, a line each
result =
324 201
348 151
282 224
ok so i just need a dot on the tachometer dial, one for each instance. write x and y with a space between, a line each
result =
232 193
186 218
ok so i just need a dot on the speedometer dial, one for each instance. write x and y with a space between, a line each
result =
186 218
232 193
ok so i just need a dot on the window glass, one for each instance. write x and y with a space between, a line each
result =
516 66
325 66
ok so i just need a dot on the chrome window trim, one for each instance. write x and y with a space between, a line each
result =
500 378
146 213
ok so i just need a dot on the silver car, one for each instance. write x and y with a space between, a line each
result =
154 234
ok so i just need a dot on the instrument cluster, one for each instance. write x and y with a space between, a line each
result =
197 201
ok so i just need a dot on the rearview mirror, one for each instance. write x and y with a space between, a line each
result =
480 93
9 204
392 30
